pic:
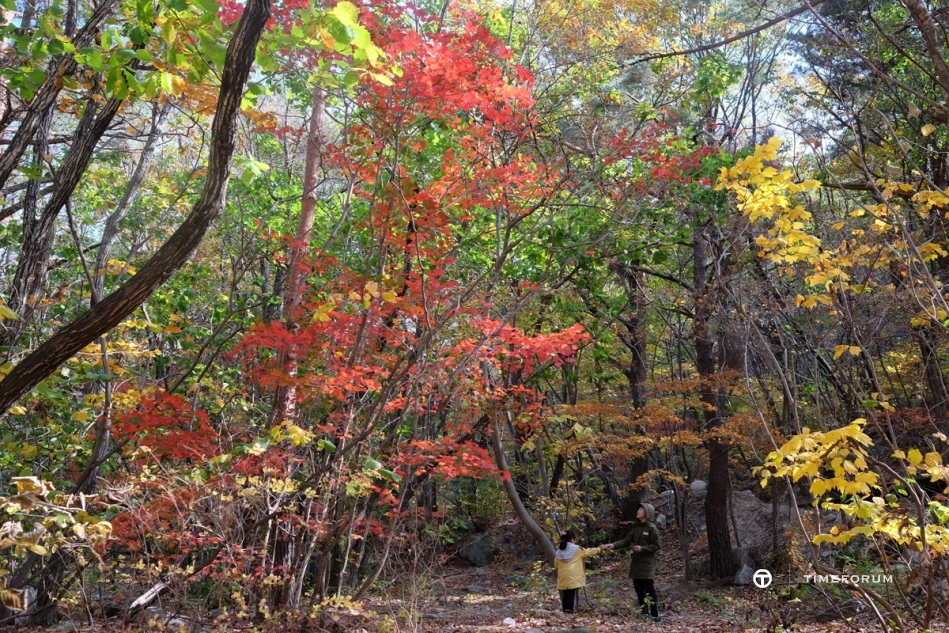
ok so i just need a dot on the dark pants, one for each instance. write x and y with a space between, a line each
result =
568 598
646 587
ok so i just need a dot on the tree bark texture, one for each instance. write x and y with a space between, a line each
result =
45 98
180 246
519 509
284 397
716 499
125 204
29 280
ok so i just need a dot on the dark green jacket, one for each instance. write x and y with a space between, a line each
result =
643 564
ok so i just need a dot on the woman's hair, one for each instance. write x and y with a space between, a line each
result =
566 537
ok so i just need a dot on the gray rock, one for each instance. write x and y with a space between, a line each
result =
743 557
702 569
509 622
534 631
514 581
744 576
476 589
661 522
65 625
479 550
531 555
480 572
698 486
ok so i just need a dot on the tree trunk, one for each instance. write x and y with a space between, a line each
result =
284 405
45 98
180 246
935 380
716 499
125 204
29 280
522 514
284 397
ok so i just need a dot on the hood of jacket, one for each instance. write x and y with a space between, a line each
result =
650 511
567 553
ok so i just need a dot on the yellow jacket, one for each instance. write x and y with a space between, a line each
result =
570 571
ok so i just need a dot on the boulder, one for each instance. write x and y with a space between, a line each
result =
661 521
479 550
480 572
515 580
509 622
744 576
702 569
532 553
743 557
698 486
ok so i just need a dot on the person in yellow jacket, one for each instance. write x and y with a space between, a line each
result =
571 574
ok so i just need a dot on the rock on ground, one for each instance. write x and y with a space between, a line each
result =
479 550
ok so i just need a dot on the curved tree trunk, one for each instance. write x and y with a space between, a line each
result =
180 246
45 98
29 281
522 514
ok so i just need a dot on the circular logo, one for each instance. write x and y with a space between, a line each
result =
762 579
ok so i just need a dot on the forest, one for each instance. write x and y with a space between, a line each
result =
335 316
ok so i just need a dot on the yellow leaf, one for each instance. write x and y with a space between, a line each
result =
914 456
933 459
7 313
839 350
80 416
171 329
17 410
928 129
390 296
914 110
854 350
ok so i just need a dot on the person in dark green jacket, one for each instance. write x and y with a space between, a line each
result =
644 542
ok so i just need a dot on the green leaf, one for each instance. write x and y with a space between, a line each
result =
327 446
342 33
372 464
346 12
351 78
207 6
391 476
